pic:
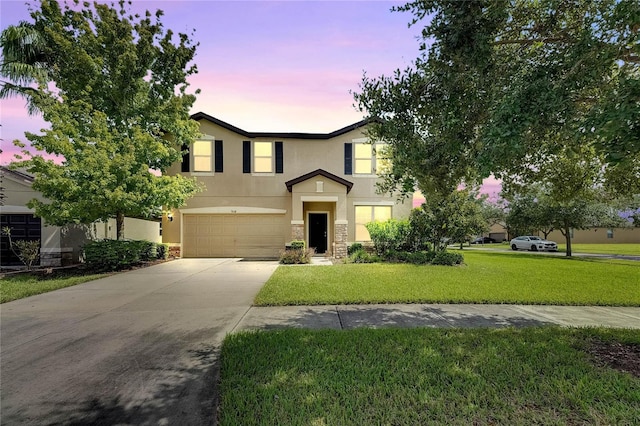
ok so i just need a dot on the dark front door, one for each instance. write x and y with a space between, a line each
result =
318 232
23 227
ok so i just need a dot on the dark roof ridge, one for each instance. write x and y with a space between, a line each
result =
17 173
284 135
317 172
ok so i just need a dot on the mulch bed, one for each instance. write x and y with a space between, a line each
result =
620 356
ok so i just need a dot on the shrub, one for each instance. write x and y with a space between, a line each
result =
447 258
114 255
361 256
28 251
298 245
389 235
162 251
354 248
418 257
422 257
296 256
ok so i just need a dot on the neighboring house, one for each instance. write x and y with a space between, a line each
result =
580 236
58 245
264 189
599 236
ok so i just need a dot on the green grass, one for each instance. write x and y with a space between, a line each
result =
424 376
628 249
487 277
19 286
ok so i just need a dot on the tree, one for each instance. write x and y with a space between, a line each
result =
537 209
505 88
452 218
25 62
115 95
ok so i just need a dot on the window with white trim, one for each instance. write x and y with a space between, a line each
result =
368 158
202 152
366 214
263 157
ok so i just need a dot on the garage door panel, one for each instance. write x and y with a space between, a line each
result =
233 235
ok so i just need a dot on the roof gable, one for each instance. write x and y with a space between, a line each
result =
284 135
17 175
315 173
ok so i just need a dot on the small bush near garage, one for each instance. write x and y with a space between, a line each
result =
114 255
296 256
162 251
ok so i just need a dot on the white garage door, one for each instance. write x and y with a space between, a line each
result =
221 235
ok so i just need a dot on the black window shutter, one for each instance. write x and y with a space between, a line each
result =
348 158
279 158
246 156
218 157
185 158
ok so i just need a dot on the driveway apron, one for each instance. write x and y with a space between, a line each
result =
139 347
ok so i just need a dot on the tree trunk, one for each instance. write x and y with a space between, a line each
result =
567 237
119 226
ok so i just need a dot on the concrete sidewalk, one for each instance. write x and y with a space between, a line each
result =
436 315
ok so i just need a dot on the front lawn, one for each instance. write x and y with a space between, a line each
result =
622 249
428 376
15 287
487 277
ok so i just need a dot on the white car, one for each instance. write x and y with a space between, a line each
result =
533 243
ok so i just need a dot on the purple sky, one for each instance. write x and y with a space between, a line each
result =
268 65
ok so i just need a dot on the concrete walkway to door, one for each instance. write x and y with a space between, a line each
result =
135 348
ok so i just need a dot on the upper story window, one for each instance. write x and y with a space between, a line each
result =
263 157
203 156
368 158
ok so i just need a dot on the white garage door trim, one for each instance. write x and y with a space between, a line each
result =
232 210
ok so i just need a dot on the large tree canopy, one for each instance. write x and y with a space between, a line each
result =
115 95
512 88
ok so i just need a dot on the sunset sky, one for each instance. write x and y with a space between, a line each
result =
282 66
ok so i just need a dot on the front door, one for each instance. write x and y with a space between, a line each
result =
318 232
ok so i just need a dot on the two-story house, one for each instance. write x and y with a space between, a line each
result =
263 189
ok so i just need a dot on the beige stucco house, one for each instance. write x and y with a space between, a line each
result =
264 189
593 235
58 245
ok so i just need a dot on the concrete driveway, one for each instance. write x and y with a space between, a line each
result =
134 348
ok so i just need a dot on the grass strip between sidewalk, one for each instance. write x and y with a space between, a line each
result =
486 277
425 376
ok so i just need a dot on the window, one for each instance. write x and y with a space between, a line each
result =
369 158
366 214
203 156
363 159
263 157
609 233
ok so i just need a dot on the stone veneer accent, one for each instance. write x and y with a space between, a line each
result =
340 241
297 232
56 257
